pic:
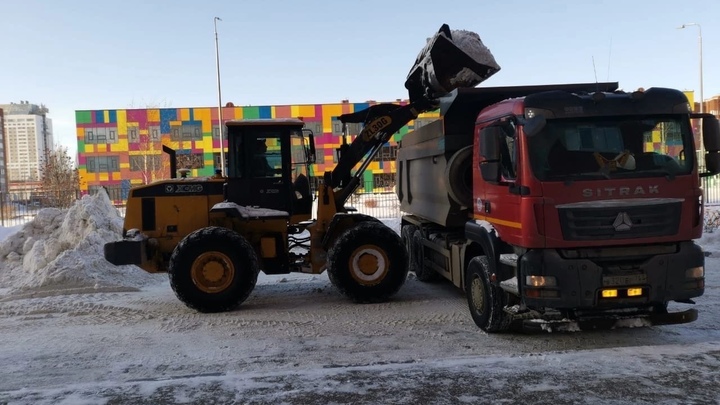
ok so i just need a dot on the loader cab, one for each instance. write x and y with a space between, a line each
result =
269 165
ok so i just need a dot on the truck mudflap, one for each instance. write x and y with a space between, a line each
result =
603 321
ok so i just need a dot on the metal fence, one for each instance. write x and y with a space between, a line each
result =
711 189
21 207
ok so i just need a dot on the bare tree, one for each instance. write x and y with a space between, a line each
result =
150 162
59 178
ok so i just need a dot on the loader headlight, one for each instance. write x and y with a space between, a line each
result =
695 272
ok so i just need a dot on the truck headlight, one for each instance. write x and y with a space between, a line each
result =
695 272
540 281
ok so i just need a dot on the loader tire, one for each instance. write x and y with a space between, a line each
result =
406 234
422 273
368 263
486 300
213 269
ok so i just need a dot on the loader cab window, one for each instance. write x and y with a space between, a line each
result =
255 151
298 154
266 156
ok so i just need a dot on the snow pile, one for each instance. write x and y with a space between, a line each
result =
63 250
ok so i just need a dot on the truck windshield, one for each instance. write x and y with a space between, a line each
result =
610 147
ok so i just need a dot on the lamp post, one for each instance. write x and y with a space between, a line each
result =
220 117
702 108
702 99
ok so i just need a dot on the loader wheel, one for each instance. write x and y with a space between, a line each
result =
406 234
486 300
213 269
367 263
423 273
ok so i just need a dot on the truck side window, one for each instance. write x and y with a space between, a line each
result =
508 152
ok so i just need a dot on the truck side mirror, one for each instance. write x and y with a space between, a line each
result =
711 133
711 142
490 152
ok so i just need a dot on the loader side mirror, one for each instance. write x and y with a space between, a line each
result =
311 149
490 153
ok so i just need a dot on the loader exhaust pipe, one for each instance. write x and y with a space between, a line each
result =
451 59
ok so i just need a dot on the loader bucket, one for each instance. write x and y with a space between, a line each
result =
449 60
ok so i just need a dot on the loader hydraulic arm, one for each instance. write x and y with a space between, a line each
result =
450 59
380 121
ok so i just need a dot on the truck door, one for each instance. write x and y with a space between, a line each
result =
500 194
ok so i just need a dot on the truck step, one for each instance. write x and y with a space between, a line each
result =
510 285
509 259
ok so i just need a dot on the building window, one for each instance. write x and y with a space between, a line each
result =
145 163
421 122
89 137
175 133
133 134
384 180
315 126
216 132
387 153
102 164
187 160
154 132
217 161
112 135
336 127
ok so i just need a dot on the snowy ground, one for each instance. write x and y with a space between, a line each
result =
297 341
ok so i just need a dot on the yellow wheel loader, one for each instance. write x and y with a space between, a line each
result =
214 235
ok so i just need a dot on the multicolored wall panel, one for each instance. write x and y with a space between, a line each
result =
121 148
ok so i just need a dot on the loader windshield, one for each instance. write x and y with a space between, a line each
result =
612 147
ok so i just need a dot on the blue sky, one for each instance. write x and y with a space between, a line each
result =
81 54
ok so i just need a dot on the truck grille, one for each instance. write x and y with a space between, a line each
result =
620 222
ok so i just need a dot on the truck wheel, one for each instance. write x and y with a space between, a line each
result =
486 301
406 234
213 269
368 262
423 273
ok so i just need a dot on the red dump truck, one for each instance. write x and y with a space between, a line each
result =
560 205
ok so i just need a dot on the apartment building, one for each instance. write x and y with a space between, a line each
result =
27 136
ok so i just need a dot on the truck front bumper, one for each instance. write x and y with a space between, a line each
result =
611 278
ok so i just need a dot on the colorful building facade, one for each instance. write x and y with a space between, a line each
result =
118 149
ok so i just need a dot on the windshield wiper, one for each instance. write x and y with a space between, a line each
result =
570 178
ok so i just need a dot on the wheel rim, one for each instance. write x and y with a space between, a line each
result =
477 291
369 265
212 272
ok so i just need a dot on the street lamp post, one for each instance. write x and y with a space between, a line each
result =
702 99
702 108
220 117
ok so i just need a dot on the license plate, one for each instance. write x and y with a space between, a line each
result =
630 279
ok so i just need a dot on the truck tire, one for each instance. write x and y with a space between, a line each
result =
406 234
422 273
213 269
368 263
486 300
